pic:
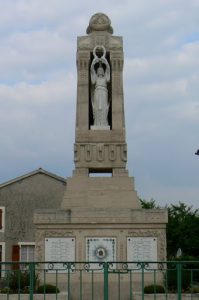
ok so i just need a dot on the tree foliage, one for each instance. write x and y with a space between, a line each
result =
148 204
182 228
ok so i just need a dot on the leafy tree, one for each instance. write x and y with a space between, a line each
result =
148 204
182 230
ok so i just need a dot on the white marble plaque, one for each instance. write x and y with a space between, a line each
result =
142 249
100 249
59 250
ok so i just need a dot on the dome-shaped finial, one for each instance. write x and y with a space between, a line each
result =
99 22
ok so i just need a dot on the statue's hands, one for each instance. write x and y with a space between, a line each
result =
104 60
95 60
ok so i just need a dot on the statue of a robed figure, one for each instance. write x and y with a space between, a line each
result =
100 76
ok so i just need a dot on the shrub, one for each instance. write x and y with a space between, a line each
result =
153 288
189 274
6 290
195 289
48 289
18 280
172 280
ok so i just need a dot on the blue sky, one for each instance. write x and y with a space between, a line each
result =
161 88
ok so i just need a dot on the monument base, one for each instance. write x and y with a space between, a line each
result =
115 234
94 127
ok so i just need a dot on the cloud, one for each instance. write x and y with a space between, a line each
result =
163 90
169 194
181 64
38 122
34 56
61 88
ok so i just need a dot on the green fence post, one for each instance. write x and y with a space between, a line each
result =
105 281
32 275
143 267
179 279
68 267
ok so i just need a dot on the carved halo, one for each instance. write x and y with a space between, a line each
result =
99 47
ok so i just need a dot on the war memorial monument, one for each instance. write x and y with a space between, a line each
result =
100 218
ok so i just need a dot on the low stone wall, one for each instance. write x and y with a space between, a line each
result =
63 296
137 296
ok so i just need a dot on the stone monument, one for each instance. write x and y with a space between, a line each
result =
100 218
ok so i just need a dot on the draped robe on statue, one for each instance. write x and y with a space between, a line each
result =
100 103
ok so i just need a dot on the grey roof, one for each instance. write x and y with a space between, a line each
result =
38 171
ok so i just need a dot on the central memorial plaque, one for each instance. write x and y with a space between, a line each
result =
100 249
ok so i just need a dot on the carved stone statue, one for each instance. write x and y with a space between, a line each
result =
99 98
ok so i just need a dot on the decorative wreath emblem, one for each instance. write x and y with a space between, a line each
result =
101 252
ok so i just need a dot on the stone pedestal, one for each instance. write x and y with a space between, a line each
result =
105 193
114 223
93 127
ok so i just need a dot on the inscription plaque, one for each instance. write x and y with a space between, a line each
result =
59 250
142 249
100 249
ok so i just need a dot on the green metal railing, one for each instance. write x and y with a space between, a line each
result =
102 280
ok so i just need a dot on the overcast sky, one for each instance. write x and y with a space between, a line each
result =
161 87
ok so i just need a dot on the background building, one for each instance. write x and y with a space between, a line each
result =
19 198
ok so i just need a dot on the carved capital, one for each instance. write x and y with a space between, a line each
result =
104 155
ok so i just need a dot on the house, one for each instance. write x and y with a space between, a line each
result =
19 198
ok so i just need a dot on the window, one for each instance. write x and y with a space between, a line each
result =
2 259
2 219
27 252
23 252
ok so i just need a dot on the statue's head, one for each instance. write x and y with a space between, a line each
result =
100 71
